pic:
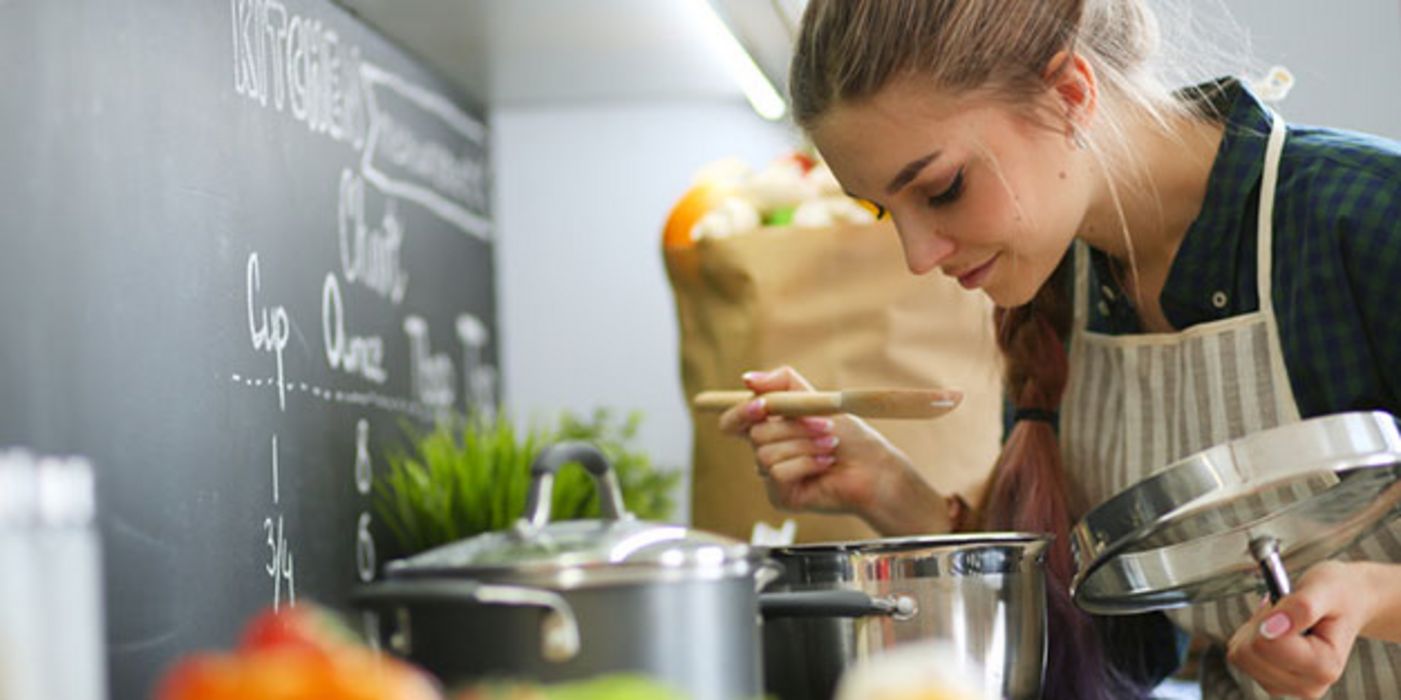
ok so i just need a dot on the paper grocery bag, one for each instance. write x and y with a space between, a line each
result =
839 305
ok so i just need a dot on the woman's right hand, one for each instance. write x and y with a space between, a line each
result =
833 464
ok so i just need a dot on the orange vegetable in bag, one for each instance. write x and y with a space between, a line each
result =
693 205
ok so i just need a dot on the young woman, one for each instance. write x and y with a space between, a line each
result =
1172 270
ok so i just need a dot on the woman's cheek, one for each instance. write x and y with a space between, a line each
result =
992 213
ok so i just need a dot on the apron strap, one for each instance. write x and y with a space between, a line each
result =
1264 240
1082 284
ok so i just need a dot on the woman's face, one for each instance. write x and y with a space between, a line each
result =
975 188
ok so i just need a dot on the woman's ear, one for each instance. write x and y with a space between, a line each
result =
1072 83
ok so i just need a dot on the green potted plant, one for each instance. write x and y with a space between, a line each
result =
458 480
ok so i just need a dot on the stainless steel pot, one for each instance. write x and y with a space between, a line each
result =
984 593
569 600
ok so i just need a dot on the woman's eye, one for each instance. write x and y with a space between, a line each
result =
951 193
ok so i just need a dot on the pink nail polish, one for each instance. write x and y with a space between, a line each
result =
755 409
825 461
826 442
1274 626
751 376
817 426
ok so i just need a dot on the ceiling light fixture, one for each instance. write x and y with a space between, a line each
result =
757 89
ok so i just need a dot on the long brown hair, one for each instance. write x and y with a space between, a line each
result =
847 50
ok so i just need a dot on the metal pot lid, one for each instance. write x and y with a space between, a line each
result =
1238 517
613 550
566 553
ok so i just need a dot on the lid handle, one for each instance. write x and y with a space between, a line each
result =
542 474
1265 549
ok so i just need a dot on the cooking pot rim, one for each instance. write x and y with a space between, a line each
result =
899 544
568 574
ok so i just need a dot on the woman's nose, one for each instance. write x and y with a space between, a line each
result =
925 247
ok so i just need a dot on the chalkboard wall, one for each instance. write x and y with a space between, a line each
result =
241 241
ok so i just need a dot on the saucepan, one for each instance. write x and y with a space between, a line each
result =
984 594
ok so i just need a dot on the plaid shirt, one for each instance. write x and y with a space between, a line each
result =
1337 257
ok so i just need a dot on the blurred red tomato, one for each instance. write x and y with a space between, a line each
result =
299 653
298 626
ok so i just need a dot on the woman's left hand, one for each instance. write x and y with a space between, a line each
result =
1300 645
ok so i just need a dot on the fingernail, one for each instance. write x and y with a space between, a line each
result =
751 376
825 461
826 442
817 426
755 409
1274 626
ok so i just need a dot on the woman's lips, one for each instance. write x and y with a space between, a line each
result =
975 277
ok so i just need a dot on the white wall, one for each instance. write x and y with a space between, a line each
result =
1346 57
586 314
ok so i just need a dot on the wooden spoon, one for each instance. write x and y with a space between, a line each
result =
871 403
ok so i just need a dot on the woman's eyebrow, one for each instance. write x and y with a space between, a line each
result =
909 172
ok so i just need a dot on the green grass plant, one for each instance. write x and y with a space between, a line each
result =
457 480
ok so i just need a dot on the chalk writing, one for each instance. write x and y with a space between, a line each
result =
354 398
295 63
431 374
370 256
364 475
478 377
364 549
268 333
447 178
279 565
364 480
358 355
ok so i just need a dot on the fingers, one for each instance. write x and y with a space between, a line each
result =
784 378
801 428
778 459
791 450
1300 646
1283 666
739 419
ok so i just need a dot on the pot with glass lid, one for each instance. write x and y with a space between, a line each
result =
554 601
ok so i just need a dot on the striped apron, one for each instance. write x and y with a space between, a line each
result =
1136 404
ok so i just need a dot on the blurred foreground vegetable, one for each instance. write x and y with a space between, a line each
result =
616 687
298 653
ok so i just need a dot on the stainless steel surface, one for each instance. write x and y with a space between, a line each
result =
700 637
1184 534
543 470
559 629
1266 552
677 605
835 604
984 593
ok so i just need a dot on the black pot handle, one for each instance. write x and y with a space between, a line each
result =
835 604
542 481
559 631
